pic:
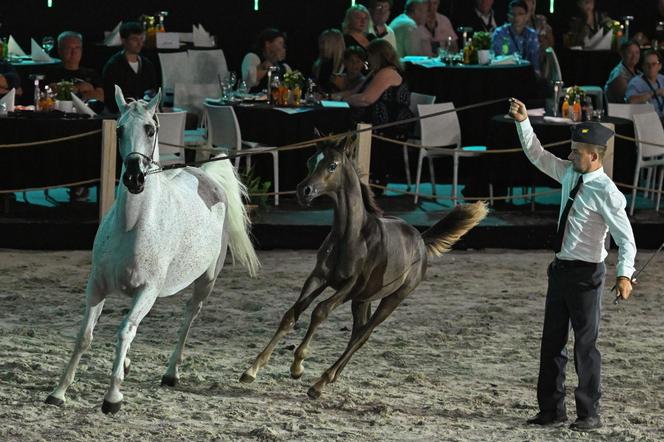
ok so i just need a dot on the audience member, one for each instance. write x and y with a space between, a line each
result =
329 63
440 30
649 86
355 61
480 16
87 83
411 38
539 23
128 69
515 37
383 98
616 85
9 79
380 13
270 51
587 22
356 27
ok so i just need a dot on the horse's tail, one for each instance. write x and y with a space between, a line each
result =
440 237
238 220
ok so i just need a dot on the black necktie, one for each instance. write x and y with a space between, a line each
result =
558 240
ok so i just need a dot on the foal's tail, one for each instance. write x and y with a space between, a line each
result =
440 237
238 220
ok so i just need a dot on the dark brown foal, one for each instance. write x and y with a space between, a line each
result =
366 257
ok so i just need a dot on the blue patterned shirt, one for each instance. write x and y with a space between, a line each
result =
526 43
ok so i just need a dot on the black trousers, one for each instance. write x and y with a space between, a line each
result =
573 297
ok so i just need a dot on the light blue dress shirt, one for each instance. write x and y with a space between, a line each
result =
599 206
639 85
526 43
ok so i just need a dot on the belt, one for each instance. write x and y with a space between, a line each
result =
572 264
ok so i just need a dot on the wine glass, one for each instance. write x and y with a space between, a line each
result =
47 43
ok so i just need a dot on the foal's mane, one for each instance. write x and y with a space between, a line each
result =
368 197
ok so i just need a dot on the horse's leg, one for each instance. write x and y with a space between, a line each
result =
361 314
313 287
202 289
94 304
319 314
384 309
143 302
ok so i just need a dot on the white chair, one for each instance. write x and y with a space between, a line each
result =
441 131
191 96
648 129
415 99
627 110
224 133
171 131
174 69
554 73
207 65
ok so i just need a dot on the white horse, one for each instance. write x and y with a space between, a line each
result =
165 231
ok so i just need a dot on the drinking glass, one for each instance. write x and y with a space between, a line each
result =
47 43
231 80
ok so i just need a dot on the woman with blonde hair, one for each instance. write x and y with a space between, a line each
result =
329 63
356 27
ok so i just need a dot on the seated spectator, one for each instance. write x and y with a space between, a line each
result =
383 98
479 17
380 13
411 38
539 23
270 51
516 37
128 69
649 86
9 79
440 30
616 85
87 82
587 22
355 61
329 63
356 27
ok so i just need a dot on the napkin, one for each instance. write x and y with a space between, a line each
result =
113 37
81 107
202 38
8 99
599 41
549 119
504 59
37 53
536 112
14 48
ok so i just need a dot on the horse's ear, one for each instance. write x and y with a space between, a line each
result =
349 145
119 99
153 104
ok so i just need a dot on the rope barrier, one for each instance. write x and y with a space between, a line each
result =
473 152
637 140
31 189
644 189
51 141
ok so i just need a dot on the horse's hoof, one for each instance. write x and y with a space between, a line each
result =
110 407
126 369
314 393
169 381
246 378
296 375
52 400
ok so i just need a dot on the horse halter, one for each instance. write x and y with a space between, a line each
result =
150 159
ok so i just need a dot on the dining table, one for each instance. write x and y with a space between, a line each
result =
26 67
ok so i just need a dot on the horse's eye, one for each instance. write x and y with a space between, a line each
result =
119 131
149 130
332 167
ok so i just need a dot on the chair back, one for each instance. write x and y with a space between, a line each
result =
648 128
416 98
171 130
223 127
207 65
555 73
441 130
174 69
192 96
627 110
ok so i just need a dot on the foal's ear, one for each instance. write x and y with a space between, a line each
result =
152 105
119 99
348 145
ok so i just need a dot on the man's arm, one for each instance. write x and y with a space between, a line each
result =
613 212
543 160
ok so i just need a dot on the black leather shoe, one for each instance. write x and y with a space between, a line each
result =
586 424
547 418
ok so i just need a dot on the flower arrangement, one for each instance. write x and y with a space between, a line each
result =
482 40
64 90
574 92
293 79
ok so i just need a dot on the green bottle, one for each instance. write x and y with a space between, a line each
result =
506 46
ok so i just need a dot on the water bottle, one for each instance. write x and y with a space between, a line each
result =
3 110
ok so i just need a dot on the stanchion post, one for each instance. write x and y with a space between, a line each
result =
363 151
607 163
107 176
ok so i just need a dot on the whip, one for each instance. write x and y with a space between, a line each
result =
633 280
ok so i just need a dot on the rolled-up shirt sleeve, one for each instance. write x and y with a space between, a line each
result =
543 160
613 212
250 65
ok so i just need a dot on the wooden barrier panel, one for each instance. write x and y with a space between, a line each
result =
363 151
108 158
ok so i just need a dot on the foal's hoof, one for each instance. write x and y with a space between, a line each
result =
169 381
246 378
110 407
314 393
52 400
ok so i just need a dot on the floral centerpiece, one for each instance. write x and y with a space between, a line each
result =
63 91
293 83
574 92
482 44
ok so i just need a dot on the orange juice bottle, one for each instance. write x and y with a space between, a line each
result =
565 109
577 109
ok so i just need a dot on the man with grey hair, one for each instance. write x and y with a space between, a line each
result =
410 34
87 82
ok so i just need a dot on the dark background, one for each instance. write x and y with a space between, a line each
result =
235 23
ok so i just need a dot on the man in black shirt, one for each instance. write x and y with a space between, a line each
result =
87 82
134 73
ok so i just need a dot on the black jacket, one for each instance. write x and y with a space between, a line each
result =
133 85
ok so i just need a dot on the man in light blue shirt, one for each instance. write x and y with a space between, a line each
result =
516 37
649 86
591 204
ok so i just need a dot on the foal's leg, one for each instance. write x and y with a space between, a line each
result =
143 302
384 309
93 307
202 289
313 287
361 314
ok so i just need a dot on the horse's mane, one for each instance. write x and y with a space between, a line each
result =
368 197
